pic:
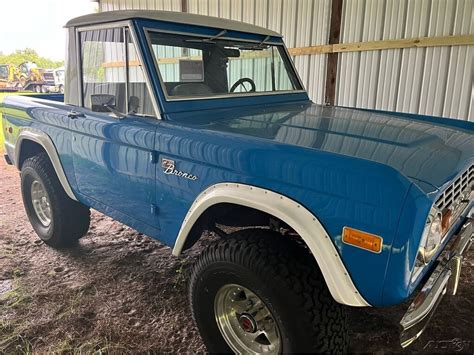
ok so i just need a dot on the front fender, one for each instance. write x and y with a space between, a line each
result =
296 216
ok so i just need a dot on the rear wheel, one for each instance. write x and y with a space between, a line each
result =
258 292
58 220
37 89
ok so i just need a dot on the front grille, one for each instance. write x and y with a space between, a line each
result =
451 197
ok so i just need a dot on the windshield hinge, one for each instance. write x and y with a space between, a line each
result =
264 40
220 34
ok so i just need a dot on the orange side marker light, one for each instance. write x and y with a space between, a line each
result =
362 239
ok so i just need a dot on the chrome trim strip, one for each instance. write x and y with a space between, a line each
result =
444 279
232 96
223 96
294 67
104 26
79 67
127 71
299 218
45 141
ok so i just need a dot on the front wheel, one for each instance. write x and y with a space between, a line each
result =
259 292
58 220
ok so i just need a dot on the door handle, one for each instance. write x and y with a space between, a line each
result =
75 115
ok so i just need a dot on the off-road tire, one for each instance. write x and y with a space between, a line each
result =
284 275
69 219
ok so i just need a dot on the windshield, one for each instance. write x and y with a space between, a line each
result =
199 67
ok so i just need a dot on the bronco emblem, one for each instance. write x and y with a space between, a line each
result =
168 166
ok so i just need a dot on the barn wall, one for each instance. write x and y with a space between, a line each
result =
434 81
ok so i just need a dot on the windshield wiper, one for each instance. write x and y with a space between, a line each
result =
207 40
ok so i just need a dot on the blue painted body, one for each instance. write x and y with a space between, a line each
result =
373 171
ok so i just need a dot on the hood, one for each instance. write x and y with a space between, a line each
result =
430 152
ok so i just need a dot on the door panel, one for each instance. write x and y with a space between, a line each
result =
112 162
112 155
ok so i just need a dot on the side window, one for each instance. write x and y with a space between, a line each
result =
109 81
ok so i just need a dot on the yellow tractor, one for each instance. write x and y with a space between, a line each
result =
9 78
31 77
27 76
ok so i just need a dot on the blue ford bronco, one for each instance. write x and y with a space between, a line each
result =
176 124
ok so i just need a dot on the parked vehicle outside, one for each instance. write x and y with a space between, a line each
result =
55 80
175 124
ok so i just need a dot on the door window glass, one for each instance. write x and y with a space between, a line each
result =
112 76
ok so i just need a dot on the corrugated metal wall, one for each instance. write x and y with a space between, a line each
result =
433 81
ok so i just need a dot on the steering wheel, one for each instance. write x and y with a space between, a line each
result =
241 82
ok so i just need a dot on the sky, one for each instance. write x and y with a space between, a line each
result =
38 24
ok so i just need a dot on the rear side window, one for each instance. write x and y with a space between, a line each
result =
112 74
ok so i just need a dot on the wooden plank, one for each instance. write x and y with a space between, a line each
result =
322 49
421 42
334 35
406 43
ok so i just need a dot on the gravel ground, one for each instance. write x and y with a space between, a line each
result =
119 291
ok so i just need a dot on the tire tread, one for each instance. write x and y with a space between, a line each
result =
279 259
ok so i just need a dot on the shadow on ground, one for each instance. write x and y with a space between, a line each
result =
121 292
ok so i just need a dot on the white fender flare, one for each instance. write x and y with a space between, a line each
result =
296 216
45 141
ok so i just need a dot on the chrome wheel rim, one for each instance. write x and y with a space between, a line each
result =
41 204
245 322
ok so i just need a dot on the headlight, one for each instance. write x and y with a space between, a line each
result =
432 235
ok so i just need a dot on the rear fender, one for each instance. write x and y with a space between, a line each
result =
34 135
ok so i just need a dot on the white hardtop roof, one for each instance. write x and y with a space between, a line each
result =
169 16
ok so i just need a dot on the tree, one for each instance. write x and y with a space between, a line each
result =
29 55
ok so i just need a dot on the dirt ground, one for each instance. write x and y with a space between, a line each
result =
118 291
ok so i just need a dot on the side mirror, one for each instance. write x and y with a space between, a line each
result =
102 102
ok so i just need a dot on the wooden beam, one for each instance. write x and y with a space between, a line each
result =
421 42
334 35
184 5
